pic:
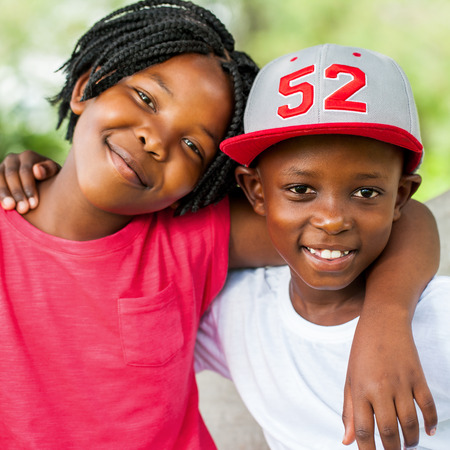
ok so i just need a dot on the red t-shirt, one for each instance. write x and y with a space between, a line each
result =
97 337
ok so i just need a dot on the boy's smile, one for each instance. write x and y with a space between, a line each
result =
329 202
144 143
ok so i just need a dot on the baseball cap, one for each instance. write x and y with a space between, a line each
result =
329 89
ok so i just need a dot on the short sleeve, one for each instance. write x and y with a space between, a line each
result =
209 354
219 227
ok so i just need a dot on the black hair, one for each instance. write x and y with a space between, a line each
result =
147 33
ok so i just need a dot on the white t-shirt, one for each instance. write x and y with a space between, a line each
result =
290 372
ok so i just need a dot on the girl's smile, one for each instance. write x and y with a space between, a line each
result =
129 168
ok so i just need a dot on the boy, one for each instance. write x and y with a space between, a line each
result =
332 141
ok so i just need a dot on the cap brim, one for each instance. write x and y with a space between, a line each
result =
246 147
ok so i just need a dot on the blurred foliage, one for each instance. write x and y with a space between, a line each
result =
37 36
16 135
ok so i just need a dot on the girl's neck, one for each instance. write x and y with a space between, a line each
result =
64 212
327 307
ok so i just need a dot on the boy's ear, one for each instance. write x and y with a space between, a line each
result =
407 186
76 105
250 182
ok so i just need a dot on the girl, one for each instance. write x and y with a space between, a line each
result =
136 234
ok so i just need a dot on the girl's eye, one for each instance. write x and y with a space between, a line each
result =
301 189
146 99
193 147
366 193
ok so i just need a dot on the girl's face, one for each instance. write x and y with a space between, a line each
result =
144 143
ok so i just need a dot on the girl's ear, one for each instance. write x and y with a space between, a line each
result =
250 182
76 105
407 186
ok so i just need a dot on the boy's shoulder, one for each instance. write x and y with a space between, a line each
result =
255 280
246 289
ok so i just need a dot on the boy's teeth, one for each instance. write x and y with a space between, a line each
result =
328 254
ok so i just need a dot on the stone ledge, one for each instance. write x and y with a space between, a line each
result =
440 207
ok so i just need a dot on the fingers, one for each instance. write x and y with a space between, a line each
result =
347 415
11 191
390 410
386 418
386 421
364 424
17 179
45 169
17 184
408 420
426 404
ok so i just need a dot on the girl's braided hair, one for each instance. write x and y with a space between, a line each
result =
150 32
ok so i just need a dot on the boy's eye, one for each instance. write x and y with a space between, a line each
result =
146 99
366 193
301 189
193 147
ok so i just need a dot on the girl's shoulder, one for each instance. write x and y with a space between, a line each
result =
215 216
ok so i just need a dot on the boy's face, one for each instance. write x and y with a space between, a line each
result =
329 202
145 143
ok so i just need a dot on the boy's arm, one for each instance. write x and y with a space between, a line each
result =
384 374
18 175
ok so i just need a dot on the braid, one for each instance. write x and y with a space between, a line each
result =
150 32
219 179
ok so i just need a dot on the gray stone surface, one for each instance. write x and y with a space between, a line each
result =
224 413
227 418
440 207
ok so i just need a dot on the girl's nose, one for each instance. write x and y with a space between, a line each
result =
152 144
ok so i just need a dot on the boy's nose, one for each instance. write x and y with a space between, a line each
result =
331 219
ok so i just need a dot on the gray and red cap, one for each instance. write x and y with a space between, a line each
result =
329 89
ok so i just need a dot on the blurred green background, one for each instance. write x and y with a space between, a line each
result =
36 36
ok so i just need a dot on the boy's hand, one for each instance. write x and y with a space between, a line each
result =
384 378
18 175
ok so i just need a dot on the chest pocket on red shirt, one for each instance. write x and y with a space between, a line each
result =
150 328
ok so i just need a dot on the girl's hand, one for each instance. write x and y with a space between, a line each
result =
18 175
384 379
384 375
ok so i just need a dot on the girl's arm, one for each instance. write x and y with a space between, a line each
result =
384 375
250 244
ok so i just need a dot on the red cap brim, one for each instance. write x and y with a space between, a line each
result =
246 147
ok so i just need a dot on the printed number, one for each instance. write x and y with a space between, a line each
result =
337 101
307 89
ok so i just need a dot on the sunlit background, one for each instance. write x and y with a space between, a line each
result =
37 36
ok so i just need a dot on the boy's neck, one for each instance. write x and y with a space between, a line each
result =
63 213
327 307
